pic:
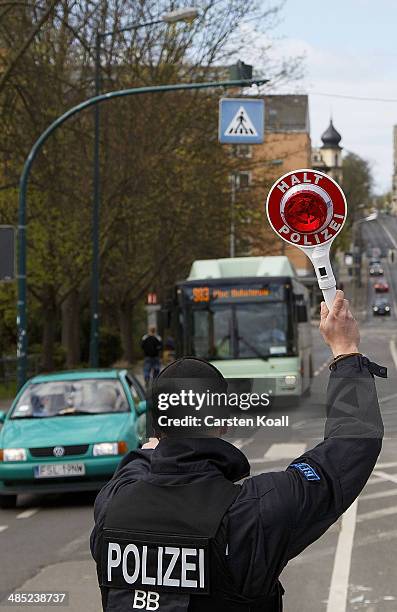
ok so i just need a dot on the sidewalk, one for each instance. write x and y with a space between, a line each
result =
77 578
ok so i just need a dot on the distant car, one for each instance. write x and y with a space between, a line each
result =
381 307
381 287
374 262
68 431
376 270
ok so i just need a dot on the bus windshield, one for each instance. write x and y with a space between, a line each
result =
239 330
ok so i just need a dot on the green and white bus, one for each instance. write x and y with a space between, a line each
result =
250 317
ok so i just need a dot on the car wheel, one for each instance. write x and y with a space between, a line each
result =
8 501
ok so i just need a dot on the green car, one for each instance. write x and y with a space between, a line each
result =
68 431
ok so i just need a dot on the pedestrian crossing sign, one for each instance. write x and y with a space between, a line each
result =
241 120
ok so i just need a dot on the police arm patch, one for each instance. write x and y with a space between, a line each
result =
307 470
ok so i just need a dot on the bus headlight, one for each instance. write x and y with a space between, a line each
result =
290 380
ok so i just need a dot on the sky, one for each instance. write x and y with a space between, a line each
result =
350 48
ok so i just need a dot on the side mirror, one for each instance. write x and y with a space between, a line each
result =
2 416
141 407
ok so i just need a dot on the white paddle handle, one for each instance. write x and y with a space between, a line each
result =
329 296
319 256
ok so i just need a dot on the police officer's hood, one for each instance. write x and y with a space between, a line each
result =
199 456
190 458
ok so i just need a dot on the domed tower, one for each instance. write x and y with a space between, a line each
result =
331 152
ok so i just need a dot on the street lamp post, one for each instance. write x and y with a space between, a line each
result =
22 340
185 14
233 186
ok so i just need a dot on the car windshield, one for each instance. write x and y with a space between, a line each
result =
72 397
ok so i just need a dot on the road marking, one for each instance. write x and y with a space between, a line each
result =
75 545
386 465
321 368
3 528
337 599
377 514
309 556
388 398
374 480
241 442
385 476
284 451
379 495
391 237
27 513
237 443
393 350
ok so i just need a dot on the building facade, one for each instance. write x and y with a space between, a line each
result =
286 147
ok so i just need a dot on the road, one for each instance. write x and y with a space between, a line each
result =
44 542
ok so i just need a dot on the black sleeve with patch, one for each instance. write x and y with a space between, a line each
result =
320 485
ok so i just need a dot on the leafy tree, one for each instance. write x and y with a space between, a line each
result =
357 183
165 195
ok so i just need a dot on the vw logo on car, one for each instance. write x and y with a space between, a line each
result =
58 451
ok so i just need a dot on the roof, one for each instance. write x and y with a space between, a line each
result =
235 267
77 374
331 136
287 113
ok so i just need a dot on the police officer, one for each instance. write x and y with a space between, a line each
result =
174 533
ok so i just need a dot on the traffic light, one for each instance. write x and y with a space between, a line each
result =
240 71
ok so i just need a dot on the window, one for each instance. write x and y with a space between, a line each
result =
244 180
62 398
240 331
136 395
244 150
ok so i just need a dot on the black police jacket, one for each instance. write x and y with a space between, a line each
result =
276 515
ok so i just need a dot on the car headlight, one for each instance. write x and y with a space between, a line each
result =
375 309
14 454
290 380
109 448
387 308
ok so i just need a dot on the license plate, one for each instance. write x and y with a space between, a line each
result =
58 470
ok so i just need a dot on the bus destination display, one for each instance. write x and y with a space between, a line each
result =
205 293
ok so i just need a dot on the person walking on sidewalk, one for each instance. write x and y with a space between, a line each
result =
152 346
